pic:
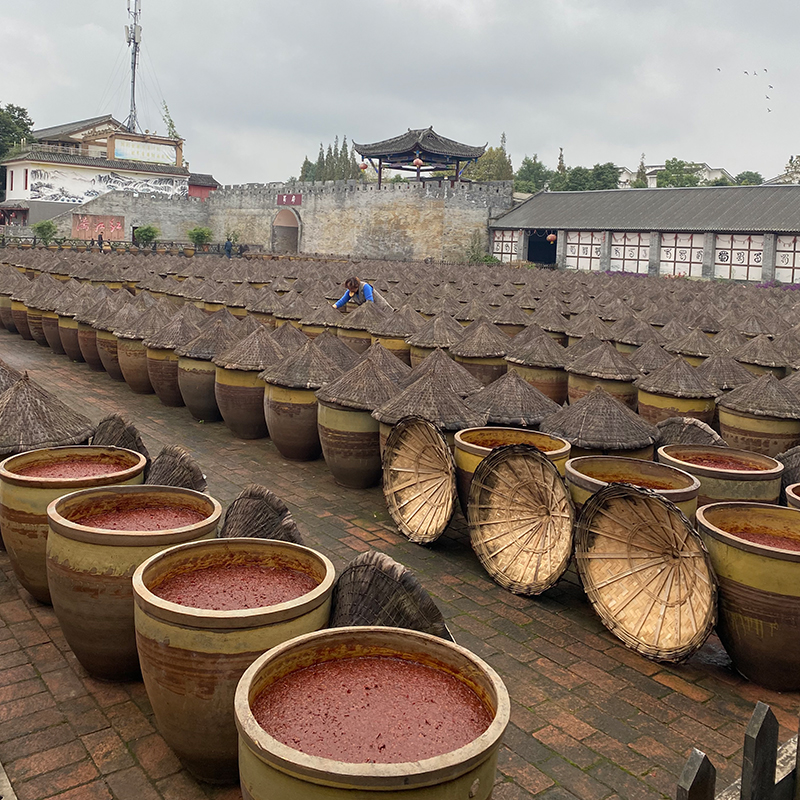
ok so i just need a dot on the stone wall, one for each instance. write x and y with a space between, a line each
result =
434 219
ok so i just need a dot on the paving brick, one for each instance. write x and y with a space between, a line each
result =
525 774
567 747
107 750
64 684
155 757
28 767
57 781
31 743
131 784
510 791
129 721
684 687
83 715
625 784
580 783
94 790
180 787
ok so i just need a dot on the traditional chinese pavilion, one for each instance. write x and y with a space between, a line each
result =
420 150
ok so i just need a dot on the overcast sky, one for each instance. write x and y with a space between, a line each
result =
255 85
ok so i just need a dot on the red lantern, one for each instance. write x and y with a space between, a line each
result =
551 238
363 165
417 162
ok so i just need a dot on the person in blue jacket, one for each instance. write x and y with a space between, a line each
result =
361 292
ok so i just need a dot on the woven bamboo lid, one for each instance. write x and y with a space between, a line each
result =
146 324
419 479
650 357
646 572
439 363
678 379
110 309
520 519
605 362
8 376
694 343
482 339
31 417
511 400
541 351
364 387
182 326
337 351
290 338
509 313
585 324
765 396
306 368
398 324
580 348
549 318
362 319
724 372
324 316
599 421
688 430
761 351
396 370
253 353
215 337
439 331
729 339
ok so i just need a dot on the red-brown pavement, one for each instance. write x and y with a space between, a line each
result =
590 719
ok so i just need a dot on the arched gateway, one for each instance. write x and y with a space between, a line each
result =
285 231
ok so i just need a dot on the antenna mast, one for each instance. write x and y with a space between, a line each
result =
133 36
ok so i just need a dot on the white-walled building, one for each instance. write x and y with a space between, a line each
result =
65 166
707 175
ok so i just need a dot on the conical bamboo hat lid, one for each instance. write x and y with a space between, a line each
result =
337 351
724 372
694 343
728 340
542 351
580 348
147 323
364 387
520 517
362 319
760 351
482 339
31 418
433 399
325 316
396 370
509 314
511 400
674 329
215 337
297 307
398 324
460 380
183 326
111 308
439 331
586 324
638 333
306 368
289 338
677 379
765 396
646 572
650 357
254 353
549 318
8 376
604 362
600 422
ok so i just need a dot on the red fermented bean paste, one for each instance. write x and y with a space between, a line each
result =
721 462
371 709
228 587
146 518
74 468
766 537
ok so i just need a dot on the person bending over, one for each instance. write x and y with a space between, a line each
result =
361 292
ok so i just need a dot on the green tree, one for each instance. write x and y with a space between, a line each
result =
308 170
146 235
45 230
559 179
15 124
199 236
330 166
749 178
319 171
579 179
493 165
532 175
678 173
640 181
605 176
721 181
172 131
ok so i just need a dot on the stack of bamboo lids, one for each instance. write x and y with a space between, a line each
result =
520 518
646 572
419 479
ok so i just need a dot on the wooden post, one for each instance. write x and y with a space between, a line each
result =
760 755
698 779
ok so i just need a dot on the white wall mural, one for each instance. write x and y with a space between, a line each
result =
80 186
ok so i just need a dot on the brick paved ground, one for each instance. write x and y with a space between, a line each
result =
590 719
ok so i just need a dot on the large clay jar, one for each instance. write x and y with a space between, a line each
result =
290 401
755 552
162 369
472 445
196 379
24 500
50 329
68 332
19 313
192 658
35 326
107 350
270 769
89 568
87 341
588 474
6 316
725 473
132 355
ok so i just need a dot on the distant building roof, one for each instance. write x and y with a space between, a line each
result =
40 156
201 179
424 140
731 209
58 131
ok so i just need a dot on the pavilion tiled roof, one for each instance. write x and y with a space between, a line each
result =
426 140
42 156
